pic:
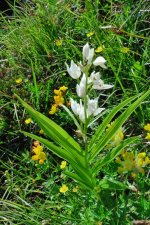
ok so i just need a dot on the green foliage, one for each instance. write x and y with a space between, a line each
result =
30 192
75 156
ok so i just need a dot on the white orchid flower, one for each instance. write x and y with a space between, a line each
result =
81 88
99 85
94 77
74 70
100 61
78 109
75 107
88 53
81 112
92 107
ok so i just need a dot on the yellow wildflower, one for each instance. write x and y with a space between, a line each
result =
90 34
27 121
59 100
146 161
125 50
63 88
53 109
132 163
39 154
142 155
63 189
133 175
99 49
41 131
117 138
63 164
147 127
58 92
127 163
75 189
148 136
18 81
36 143
59 42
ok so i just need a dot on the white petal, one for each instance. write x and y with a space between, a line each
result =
68 69
95 76
82 115
90 56
81 112
91 106
103 66
103 87
74 70
99 61
99 110
81 88
75 106
85 51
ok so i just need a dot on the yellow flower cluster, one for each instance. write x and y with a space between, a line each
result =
147 128
18 80
90 34
125 50
59 42
28 121
39 155
117 138
41 131
99 49
131 163
63 188
58 99
75 189
63 165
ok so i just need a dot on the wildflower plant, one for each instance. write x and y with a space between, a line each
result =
84 158
39 154
129 162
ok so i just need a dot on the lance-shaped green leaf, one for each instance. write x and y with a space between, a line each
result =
78 179
83 173
108 119
72 116
100 144
62 153
112 185
113 154
55 132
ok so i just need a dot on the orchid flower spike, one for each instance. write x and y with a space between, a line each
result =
74 70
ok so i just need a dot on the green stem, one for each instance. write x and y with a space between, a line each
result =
86 119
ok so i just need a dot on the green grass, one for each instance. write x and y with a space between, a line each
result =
30 192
